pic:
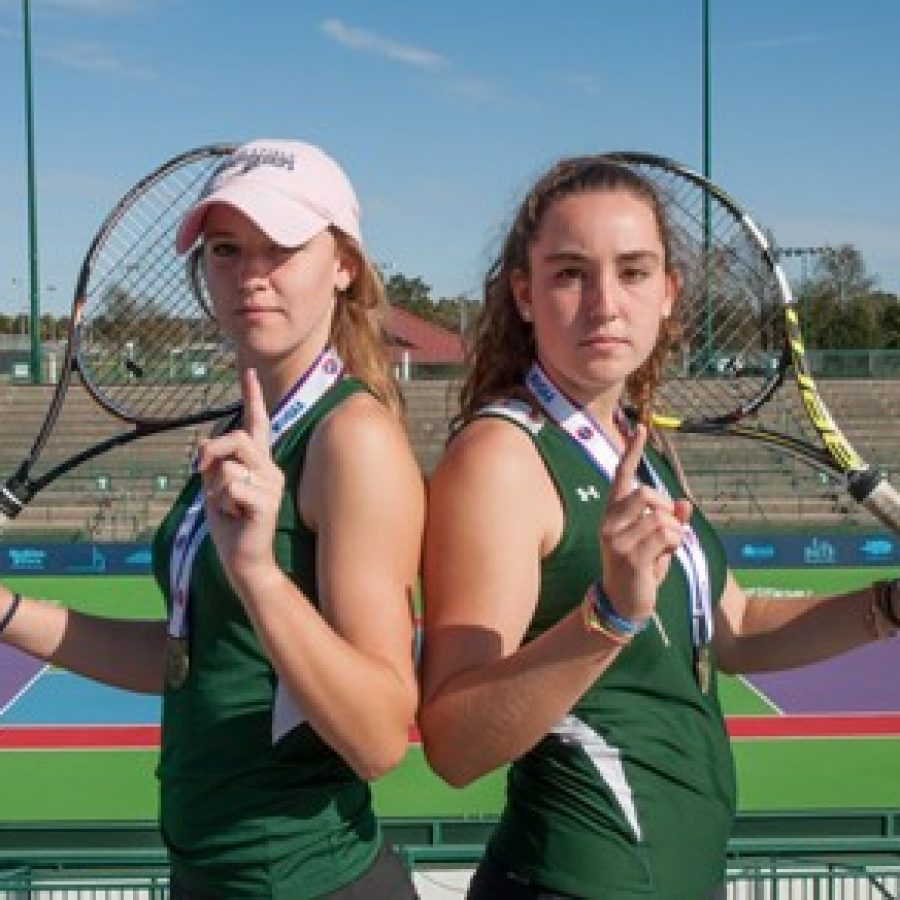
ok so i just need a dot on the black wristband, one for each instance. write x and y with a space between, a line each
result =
10 612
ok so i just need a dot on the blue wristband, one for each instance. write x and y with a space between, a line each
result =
604 611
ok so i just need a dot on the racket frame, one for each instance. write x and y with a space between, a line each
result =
835 455
20 488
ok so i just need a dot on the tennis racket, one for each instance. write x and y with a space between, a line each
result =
140 338
742 369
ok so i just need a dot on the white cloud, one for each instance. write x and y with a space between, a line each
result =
100 7
369 42
467 88
86 56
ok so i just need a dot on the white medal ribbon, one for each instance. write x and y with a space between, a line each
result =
325 371
604 455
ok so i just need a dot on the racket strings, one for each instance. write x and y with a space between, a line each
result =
146 280
148 346
139 241
140 246
730 305
730 374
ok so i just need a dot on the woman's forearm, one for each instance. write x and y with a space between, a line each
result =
119 652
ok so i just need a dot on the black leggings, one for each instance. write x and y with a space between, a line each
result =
493 882
385 879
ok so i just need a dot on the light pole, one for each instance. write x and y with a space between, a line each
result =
707 160
707 354
35 351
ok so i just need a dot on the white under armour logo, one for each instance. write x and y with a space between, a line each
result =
587 493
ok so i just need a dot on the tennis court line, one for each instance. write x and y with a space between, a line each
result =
851 725
41 668
760 695
79 737
146 737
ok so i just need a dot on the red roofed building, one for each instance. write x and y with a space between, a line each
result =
415 341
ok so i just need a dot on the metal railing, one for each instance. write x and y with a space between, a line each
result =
841 855
824 882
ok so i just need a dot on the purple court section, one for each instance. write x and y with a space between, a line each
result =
865 680
16 670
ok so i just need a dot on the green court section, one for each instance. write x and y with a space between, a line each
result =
818 774
826 580
127 596
413 790
72 786
115 785
738 700
78 785
138 597
808 774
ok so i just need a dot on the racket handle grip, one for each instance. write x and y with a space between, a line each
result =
11 503
879 496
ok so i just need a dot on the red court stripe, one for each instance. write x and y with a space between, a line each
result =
111 737
815 726
78 737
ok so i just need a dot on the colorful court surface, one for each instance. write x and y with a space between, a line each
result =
823 737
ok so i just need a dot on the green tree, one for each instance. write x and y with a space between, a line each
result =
456 313
888 319
843 271
412 294
841 308
48 327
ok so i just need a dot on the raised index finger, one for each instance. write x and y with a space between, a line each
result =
255 415
623 481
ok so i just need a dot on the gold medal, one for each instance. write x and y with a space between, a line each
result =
177 661
703 666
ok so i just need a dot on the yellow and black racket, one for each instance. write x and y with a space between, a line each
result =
140 338
741 368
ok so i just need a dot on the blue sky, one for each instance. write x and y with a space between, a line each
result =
442 113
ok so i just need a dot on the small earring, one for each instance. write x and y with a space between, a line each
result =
525 314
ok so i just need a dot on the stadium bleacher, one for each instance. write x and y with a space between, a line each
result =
117 496
122 494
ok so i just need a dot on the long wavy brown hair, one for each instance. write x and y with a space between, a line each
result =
358 328
502 348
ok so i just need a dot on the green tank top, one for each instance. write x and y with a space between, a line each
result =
633 794
250 806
